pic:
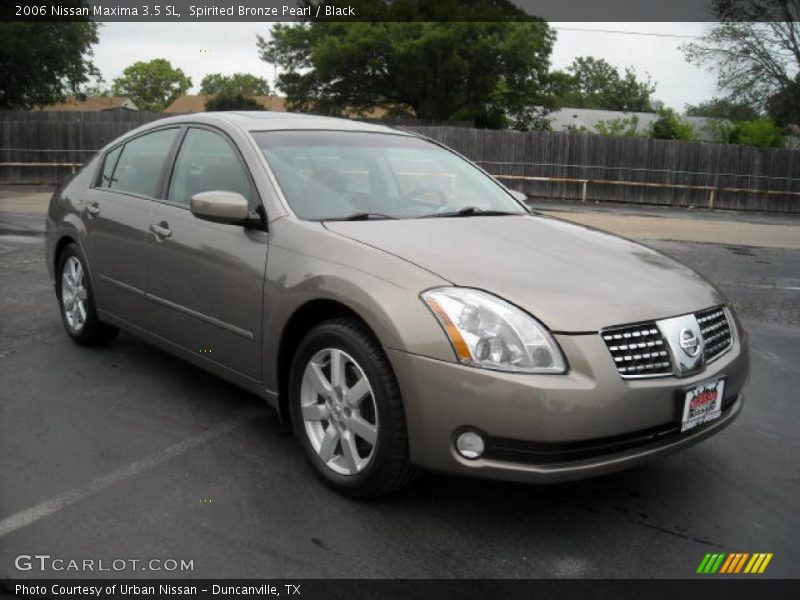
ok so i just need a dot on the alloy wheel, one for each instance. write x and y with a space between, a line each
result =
74 294
339 411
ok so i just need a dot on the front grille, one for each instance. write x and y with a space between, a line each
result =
638 350
716 332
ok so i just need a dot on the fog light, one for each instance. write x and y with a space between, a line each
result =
469 445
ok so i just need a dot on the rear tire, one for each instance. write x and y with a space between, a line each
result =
76 301
347 411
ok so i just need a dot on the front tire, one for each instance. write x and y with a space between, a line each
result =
347 410
76 301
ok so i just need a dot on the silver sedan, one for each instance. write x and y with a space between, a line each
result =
399 307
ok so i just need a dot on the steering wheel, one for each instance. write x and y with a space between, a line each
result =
439 200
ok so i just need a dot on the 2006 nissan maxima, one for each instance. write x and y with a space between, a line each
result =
398 306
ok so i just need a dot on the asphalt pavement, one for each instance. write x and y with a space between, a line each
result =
125 452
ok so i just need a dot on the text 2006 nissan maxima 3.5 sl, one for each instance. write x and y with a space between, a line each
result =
397 305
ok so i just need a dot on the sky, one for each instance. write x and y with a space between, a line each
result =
202 48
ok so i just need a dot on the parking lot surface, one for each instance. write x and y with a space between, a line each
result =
125 452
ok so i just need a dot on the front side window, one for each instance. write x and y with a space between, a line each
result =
207 162
141 163
336 174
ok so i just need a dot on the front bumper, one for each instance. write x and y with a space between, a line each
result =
547 428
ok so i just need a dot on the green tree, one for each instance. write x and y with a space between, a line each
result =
762 133
493 72
669 126
42 62
594 83
754 49
152 85
784 107
622 126
721 108
238 83
232 101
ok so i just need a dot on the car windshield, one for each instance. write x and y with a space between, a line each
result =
327 175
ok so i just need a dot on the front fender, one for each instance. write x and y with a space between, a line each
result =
381 288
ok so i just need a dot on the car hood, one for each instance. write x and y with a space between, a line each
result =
572 278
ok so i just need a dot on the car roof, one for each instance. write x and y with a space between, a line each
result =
262 120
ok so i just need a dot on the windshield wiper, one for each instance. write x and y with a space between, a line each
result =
469 211
363 216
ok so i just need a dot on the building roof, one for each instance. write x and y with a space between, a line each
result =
567 118
266 121
195 103
271 121
93 104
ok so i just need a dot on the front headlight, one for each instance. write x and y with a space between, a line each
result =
488 332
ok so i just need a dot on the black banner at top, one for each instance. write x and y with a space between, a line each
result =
189 11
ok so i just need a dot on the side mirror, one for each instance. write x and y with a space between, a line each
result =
220 207
519 196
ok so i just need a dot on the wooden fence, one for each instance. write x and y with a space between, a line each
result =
634 170
63 138
542 164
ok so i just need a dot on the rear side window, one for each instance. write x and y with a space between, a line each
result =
109 164
207 162
141 163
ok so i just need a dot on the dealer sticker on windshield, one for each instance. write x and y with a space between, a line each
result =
703 403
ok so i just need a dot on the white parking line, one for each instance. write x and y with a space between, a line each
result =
48 507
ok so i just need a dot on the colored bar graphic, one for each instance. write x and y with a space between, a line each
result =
730 564
755 562
734 563
765 563
727 564
718 563
741 562
703 563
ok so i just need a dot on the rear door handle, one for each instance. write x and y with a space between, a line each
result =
161 231
92 210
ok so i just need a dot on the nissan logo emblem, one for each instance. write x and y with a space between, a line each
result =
689 342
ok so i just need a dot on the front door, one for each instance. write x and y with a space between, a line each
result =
205 279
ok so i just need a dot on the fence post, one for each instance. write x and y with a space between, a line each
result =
711 198
583 190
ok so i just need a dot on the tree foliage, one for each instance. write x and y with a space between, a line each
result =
238 83
761 133
754 49
152 85
594 83
42 62
621 126
492 72
721 108
669 126
232 101
784 107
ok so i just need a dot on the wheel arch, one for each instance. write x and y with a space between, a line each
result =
63 242
303 320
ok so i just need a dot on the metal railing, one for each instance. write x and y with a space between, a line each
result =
72 166
583 182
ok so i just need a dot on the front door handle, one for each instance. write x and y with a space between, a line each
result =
161 231
92 210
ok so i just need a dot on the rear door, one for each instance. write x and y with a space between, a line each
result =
205 279
116 212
